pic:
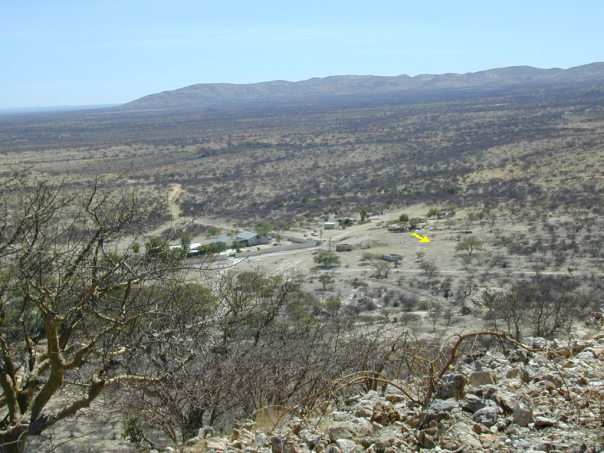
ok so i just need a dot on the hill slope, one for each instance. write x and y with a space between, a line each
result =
215 94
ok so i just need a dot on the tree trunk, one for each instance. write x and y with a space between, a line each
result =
12 443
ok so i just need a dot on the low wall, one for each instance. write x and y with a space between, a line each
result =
282 248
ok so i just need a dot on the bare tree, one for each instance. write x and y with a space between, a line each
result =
430 269
78 311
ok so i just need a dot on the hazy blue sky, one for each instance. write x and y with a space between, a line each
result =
57 52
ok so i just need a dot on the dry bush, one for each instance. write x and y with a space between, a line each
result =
540 306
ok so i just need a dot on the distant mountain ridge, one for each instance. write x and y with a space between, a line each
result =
216 94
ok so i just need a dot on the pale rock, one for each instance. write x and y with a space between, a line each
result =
340 431
340 416
214 443
519 373
549 377
472 403
544 422
587 355
348 446
357 427
519 355
480 378
523 415
541 387
452 386
395 398
260 439
537 343
364 410
439 405
460 435
521 408
488 414
488 440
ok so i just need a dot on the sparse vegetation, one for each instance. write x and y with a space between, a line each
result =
523 183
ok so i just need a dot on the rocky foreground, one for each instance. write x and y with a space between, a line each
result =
547 399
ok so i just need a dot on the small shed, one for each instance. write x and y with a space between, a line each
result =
251 238
344 247
392 257
331 225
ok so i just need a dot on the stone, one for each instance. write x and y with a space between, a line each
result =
520 406
542 387
487 415
460 435
549 377
364 410
277 445
260 439
213 444
340 431
522 412
395 398
358 427
587 355
452 386
519 373
424 440
537 343
347 446
472 403
544 422
480 378
488 440
480 429
519 355
385 414
439 405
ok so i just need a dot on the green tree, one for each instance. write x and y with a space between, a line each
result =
432 212
333 306
368 256
185 240
157 247
414 221
363 215
469 246
345 223
403 218
327 258
325 280
263 228
382 268
213 231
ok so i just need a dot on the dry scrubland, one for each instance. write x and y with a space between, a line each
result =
521 174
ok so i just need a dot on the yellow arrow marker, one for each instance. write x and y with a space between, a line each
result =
421 239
